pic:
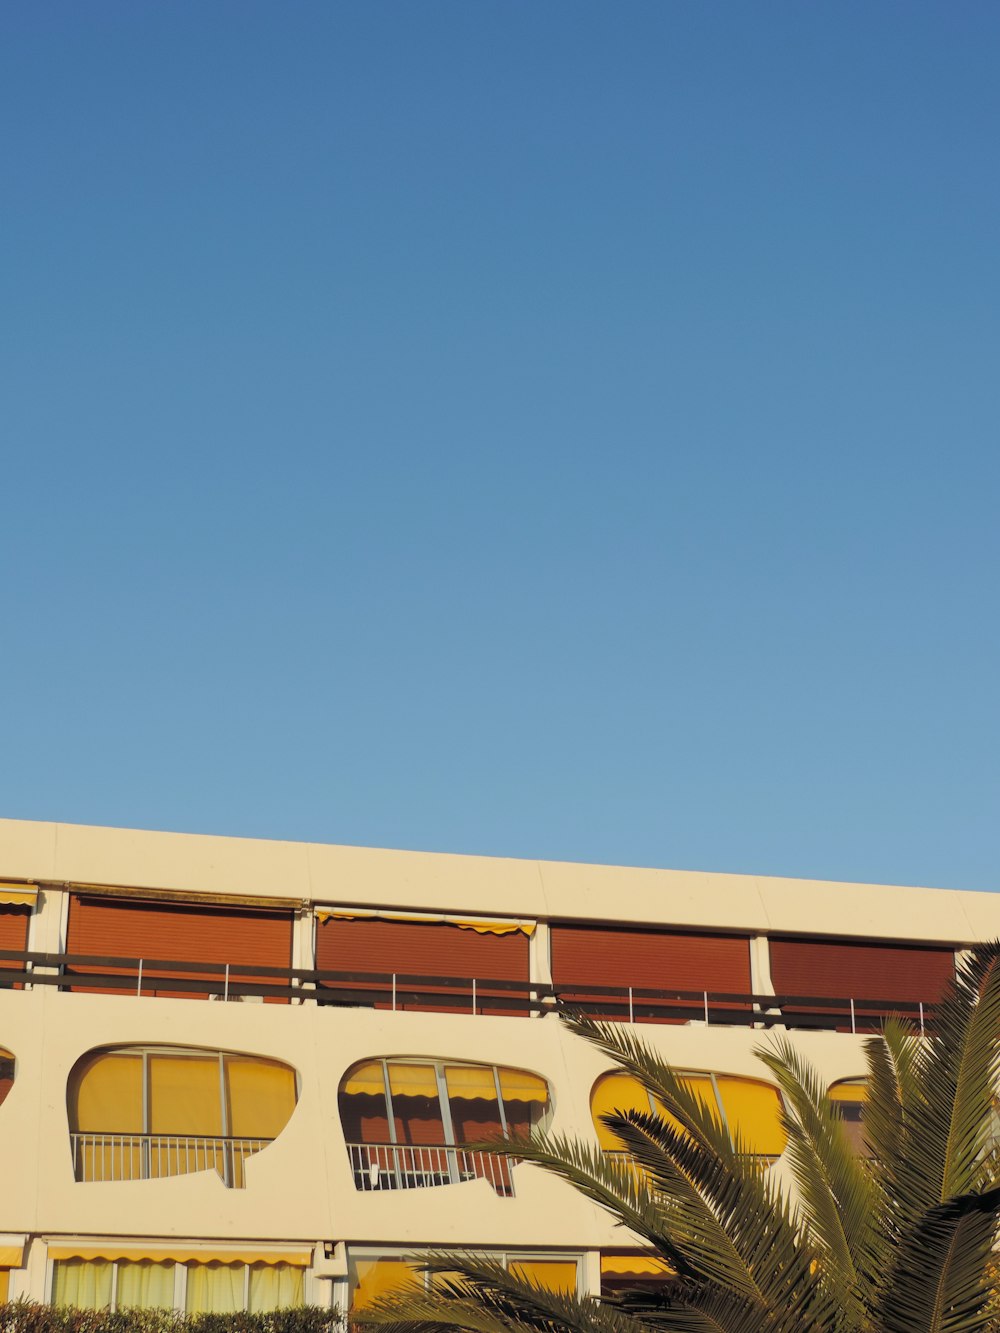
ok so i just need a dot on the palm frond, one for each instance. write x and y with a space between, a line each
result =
938 1283
835 1189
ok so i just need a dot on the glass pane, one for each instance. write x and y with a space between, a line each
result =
616 1092
472 1098
145 1284
275 1286
525 1101
214 1288
753 1114
551 1274
85 1283
185 1096
105 1095
261 1097
370 1278
362 1105
415 1104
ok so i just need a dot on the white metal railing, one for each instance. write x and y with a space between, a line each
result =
395 1166
107 1157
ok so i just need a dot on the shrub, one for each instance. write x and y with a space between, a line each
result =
29 1317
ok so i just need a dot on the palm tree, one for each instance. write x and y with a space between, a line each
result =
897 1242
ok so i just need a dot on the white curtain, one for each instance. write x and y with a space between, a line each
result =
275 1286
146 1284
85 1283
215 1288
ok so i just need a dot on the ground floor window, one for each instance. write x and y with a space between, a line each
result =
371 1275
215 1287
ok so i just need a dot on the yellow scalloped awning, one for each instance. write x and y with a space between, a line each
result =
412 1080
517 1085
181 1254
848 1091
18 895
634 1265
481 926
11 1256
367 1081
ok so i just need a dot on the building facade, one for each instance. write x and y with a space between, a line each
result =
244 1074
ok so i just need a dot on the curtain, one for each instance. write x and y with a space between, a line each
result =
549 1274
261 1097
374 1277
753 1114
85 1283
146 1284
616 1092
275 1286
215 1288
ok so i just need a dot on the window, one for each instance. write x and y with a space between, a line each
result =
682 967
408 1123
216 1286
878 978
632 1270
241 938
144 1113
848 1097
464 951
373 1275
750 1108
6 1074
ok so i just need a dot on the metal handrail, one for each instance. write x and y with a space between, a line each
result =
112 1156
397 1166
242 981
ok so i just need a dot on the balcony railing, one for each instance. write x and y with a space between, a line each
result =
460 995
394 1166
107 1157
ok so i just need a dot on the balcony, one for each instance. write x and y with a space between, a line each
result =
391 1166
449 994
115 1157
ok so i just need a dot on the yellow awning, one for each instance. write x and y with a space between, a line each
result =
11 1256
412 1080
848 1091
181 1254
635 1265
367 1080
517 1085
481 926
18 895
471 1081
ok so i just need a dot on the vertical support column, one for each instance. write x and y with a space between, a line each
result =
48 923
590 1274
760 967
540 960
304 949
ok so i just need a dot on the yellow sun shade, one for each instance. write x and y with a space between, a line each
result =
634 1265
366 1080
412 1080
517 1085
18 895
482 927
471 1081
181 1254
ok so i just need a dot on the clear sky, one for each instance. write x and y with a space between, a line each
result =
529 427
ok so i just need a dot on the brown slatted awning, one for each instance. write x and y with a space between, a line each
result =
425 949
240 937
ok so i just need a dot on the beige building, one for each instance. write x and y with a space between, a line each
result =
243 1074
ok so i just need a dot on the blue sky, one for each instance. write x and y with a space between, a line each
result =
544 429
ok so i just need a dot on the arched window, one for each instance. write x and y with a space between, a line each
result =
750 1108
140 1113
848 1097
409 1123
